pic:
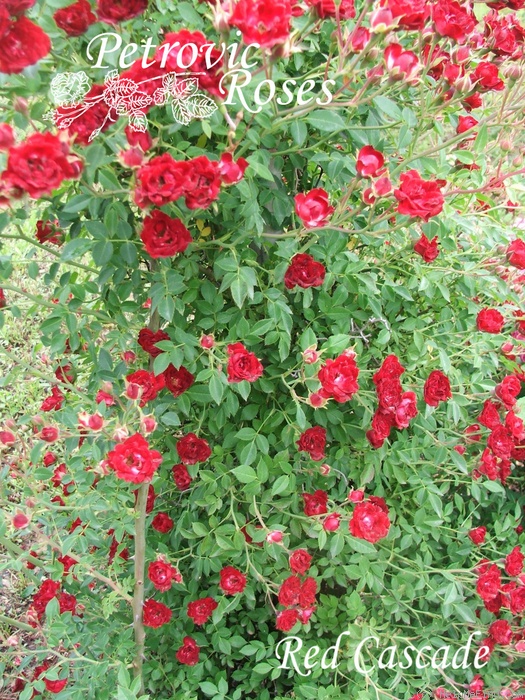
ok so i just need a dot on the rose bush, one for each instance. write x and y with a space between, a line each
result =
281 357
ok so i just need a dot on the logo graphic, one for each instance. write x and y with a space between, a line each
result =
124 97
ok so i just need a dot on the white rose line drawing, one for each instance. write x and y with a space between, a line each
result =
123 97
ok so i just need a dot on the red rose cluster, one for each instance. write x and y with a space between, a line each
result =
498 596
145 385
38 166
506 439
48 590
22 42
295 594
163 180
75 19
396 408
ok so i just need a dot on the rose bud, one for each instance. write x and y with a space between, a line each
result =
49 434
7 437
148 424
359 39
460 449
310 355
356 496
207 342
131 157
128 356
382 21
317 401
120 434
274 537
133 391
325 469
20 520
331 522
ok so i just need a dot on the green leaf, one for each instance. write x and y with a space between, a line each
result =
216 388
208 688
245 474
326 120
280 485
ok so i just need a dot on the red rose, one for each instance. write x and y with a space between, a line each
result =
232 581
133 461
369 522
517 600
55 686
159 181
142 139
40 164
500 442
406 410
7 137
49 232
242 365
149 384
231 171
389 393
501 632
428 250
304 271
177 381
516 254
15 8
453 20
113 11
300 561
155 614
202 183
315 503
53 402
490 321
208 64
188 653
508 390
192 449
162 523
514 562
286 619
49 434
263 22
436 389
489 416
465 124
23 44
163 236
313 208
477 535
289 591
487 77
327 8
308 592
98 117
369 162
401 65
201 610
489 583
147 340
181 477
161 574
419 198
313 441
76 18
339 378
410 14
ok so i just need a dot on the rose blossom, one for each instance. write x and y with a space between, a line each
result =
369 522
313 441
242 364
133 461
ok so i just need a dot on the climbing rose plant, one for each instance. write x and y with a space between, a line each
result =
281 345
